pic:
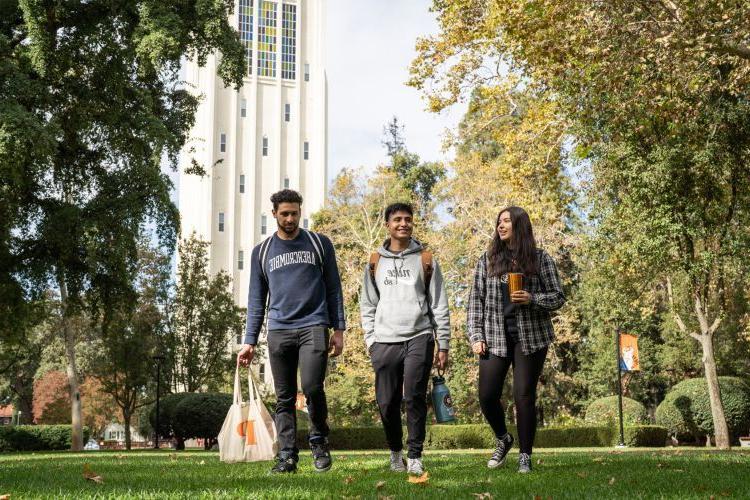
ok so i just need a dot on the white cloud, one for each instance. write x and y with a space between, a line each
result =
370 45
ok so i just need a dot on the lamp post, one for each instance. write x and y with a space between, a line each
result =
158 358
621 443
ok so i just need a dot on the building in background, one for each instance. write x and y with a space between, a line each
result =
269 135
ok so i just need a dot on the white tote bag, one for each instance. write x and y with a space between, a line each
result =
248 433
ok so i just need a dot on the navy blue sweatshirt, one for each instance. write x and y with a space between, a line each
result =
302 292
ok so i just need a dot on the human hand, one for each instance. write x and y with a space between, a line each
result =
479 347
520 297
336 343
246 354
441 360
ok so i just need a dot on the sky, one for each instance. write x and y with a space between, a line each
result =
370 44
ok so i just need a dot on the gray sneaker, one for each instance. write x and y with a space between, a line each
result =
524 463
502 447
414 466
397 462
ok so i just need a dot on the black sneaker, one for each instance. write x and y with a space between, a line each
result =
502 447
284 465
524 463
321 456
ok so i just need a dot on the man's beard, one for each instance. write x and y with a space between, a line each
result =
289 229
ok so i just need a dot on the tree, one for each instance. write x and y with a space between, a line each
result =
203 320
353 219
131 335
90 113
51 401
416 176
656 94
509 152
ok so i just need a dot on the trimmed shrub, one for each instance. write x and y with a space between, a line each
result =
37 437
605 411
481 436
686 410
200 415
167 406
350 438
644 435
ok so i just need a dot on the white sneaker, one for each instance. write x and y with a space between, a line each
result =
397 462
414 466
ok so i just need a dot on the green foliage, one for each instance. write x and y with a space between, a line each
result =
686 410
167 406
200 415
37 437
605 411
450 437
203 320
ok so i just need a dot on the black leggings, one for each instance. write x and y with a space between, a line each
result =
526 371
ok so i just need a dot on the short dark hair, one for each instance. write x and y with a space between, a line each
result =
285 196
397 207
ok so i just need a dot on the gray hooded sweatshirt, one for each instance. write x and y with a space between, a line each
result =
402 310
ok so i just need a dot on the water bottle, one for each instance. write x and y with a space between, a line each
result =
441 400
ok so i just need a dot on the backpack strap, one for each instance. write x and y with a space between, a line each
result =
317 244
262 254
427 268
373 266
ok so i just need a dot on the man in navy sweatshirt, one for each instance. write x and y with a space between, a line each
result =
296 271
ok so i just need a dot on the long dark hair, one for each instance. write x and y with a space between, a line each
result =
522 258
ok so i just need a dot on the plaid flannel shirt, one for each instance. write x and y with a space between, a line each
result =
485 309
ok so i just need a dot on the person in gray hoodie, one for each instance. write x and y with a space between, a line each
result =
404 311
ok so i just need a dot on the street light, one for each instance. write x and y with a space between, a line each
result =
159 358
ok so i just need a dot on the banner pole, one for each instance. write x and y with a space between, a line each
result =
621 444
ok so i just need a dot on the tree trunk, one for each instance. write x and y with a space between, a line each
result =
721 430
126 418
76 441
706 339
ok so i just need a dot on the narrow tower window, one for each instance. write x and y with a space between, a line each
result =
242 183
287 112
221 222
240 260
306 151
265 145
223 143
263 227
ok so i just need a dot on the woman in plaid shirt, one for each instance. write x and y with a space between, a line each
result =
512 330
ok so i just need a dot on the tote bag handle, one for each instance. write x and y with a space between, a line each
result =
237 390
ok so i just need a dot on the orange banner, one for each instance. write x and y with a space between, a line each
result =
629 358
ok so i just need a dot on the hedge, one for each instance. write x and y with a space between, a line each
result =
686 409
167 405
481 436
37 437
605 411
200 415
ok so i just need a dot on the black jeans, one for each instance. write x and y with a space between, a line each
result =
402 371
526 371
308 349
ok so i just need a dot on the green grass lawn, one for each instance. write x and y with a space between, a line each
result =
558 473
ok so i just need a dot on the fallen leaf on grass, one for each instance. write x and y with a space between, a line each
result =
202 462
582 475
423 479
91 475
539 462
173 456
120 456
348 480
659 465
5 497
380 485
483 496
598 459
612 481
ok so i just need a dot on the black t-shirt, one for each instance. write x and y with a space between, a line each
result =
509 310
